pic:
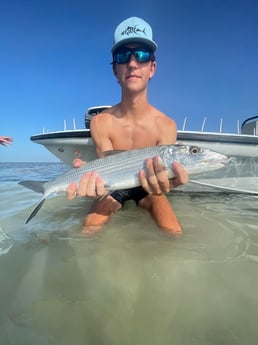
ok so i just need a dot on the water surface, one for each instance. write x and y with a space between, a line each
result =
131 283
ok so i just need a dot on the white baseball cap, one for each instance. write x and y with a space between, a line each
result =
135 30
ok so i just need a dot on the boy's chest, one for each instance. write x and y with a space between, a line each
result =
134 136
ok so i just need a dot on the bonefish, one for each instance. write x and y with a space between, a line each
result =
120 170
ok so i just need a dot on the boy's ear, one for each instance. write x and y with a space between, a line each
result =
153 68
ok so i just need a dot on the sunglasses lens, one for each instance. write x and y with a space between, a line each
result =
124 56
142 56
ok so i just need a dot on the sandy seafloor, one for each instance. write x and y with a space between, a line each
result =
130 284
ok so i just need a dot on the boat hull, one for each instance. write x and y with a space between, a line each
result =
68 145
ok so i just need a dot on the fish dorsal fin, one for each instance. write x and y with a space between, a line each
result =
112 152
36 186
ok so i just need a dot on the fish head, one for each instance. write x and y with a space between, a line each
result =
195 159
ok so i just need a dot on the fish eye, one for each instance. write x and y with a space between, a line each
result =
194 150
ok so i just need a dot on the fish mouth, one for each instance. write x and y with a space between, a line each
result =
223 161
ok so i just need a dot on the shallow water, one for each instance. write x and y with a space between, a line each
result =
131 283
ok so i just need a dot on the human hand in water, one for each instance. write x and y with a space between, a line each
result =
91 184
155 180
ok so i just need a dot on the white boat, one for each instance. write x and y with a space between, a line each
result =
240 175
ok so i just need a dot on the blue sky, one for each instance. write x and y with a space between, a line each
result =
55 63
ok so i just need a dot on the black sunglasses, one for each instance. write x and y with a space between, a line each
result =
141 55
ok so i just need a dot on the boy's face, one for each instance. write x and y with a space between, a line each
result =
133 65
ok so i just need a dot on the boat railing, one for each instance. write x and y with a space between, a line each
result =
239 129
249 126
44 131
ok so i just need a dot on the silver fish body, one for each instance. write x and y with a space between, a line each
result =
120 170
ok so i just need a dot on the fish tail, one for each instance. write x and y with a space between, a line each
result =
35 210
36 186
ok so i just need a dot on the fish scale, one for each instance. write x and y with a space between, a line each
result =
120 171
124 162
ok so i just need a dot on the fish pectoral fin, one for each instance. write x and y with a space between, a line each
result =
36 186
35 210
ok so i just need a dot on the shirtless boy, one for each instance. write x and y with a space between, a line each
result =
132 123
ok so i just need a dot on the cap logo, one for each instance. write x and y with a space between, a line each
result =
133 30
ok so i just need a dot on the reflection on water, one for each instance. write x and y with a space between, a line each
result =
131 283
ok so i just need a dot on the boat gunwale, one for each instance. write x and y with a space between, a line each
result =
230 138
